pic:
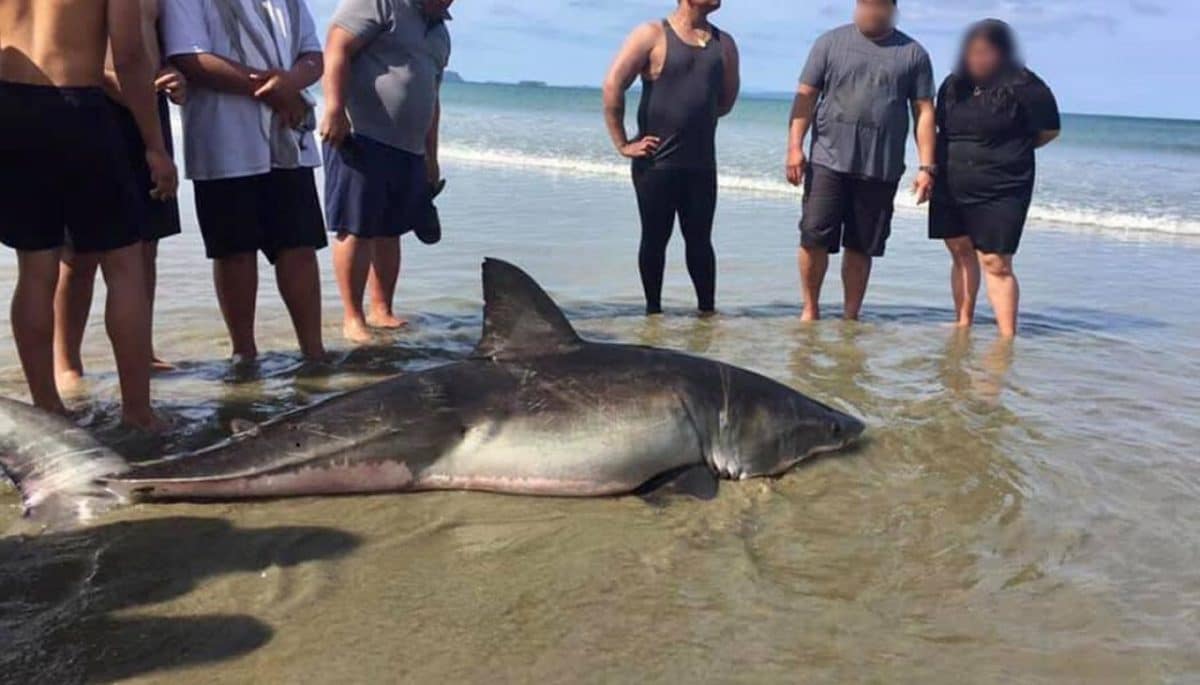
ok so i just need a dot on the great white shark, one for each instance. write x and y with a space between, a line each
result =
535 410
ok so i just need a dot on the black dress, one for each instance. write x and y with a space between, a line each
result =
986 142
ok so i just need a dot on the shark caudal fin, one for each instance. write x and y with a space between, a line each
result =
519 318
57 467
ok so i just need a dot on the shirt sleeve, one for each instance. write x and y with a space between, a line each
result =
817 65
922 82
363 18
184 30
940 108
309 42
1041 108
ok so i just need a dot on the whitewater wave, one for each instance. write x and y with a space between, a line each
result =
752 185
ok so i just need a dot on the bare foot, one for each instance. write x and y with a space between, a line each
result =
386 320
810 315
145 420
158 365
356 332
707 314
69 382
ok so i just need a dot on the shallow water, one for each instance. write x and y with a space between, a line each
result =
1019 514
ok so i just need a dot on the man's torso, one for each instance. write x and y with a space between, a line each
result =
394 78
861 121
53 42
227 135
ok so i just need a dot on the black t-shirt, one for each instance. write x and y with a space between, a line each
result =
986 139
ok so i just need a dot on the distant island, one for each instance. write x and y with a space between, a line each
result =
532 84
453 77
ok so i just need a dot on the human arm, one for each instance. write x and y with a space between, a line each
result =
925 125
135 77
1041 111
803 106
631 60
1044 138
173 83
282 90
732 85
340 48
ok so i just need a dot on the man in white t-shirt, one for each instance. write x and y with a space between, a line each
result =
250 152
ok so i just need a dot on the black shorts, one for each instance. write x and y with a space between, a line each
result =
64 171
994 226
161 216
269 212
841 210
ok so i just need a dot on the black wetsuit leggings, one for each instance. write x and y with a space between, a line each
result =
692 195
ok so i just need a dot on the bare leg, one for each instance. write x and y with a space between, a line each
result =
72 304
385 273
150 268
351 263
964 279
236 280
856 274
814 262
127 318
32 317
1003 290
299 280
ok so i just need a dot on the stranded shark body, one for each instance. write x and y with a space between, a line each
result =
535 410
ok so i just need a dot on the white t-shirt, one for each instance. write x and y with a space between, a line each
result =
226 135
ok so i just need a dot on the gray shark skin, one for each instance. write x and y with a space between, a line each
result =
536 410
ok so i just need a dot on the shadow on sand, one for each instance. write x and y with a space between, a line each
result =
65 598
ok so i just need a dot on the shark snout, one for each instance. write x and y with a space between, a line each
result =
849 429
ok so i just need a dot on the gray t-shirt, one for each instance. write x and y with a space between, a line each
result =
861 123
394 79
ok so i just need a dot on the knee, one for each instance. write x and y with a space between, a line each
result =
961 251
997 266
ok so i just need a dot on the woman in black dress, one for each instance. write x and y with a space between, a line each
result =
992 113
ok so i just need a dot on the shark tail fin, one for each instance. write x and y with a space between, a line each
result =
58 468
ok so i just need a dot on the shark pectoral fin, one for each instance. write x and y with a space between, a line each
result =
243 427
697 482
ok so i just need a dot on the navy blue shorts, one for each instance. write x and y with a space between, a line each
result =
373 190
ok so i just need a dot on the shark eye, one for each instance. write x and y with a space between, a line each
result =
835 428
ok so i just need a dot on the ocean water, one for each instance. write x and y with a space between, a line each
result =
1125 176
1021 512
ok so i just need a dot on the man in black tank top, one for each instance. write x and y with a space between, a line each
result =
690 79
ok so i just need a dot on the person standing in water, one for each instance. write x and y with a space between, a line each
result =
65 175
384 66
855 94
77 277
250 151
690 79
992 114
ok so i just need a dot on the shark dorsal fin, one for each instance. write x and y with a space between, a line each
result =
519 318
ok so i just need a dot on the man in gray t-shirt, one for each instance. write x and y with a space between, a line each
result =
856 92
384 63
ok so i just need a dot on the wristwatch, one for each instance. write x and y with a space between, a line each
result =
930 169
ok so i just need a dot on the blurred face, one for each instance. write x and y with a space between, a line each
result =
705 6
983 60
436 8
875 17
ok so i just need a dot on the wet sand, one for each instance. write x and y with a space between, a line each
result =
1021 513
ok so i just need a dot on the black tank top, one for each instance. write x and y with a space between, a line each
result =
681 106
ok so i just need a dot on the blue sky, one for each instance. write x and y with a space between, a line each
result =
1136 57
